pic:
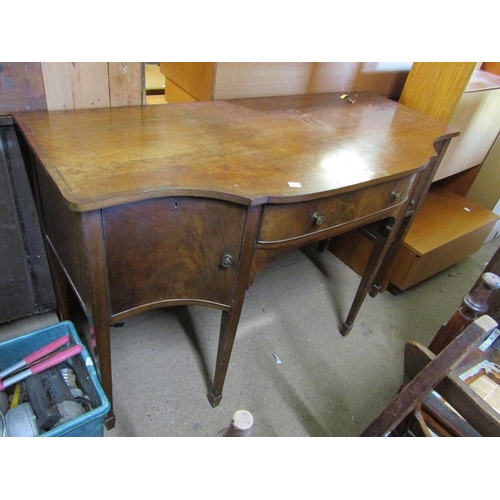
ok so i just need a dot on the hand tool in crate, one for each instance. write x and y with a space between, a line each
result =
50 391
46 362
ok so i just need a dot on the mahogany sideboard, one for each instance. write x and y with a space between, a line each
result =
144 207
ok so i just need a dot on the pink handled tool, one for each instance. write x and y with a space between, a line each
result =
35 356
53 360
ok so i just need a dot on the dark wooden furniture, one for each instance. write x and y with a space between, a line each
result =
427 375
25 282
185 203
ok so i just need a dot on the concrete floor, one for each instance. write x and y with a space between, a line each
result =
326 385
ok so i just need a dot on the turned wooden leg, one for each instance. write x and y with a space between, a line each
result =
474 304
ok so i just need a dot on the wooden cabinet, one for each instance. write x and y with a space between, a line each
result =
171 205
449 226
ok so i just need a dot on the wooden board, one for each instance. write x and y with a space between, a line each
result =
125 83
435 88
174 94
70 85
195 78
21 87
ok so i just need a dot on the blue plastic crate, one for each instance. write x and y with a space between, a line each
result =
91 423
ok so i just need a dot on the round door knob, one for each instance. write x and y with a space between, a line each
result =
395 195
227 260
317 219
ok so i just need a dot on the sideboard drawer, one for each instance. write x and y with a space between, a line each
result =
296 220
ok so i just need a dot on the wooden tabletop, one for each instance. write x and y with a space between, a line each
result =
250 151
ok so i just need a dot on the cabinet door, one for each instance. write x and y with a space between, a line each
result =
171 250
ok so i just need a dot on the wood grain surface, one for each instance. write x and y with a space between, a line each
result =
249 151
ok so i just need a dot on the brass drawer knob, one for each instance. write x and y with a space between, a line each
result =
227 260
317 219
395 195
